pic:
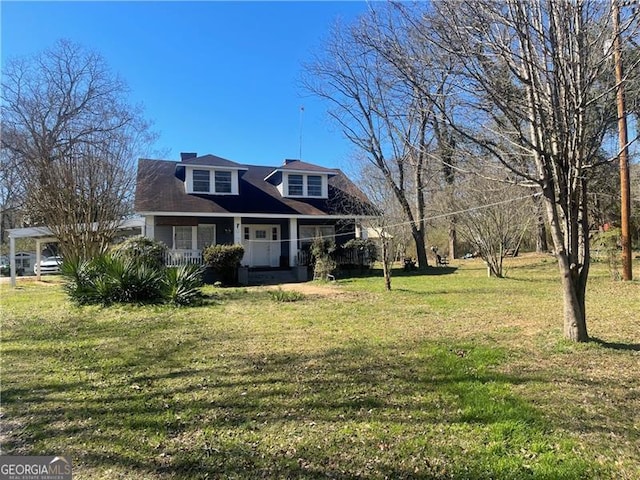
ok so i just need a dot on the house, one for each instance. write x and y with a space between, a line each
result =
274 212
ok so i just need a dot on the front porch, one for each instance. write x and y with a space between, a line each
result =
269 242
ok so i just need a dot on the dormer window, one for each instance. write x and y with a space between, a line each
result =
296 185
314 185
306 185
211 181
223 182
297 179
201 181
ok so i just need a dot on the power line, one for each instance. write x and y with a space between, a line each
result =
401 224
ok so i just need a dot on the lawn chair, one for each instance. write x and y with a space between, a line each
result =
442 261
409 264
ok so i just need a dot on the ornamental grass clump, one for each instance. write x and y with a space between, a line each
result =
280 295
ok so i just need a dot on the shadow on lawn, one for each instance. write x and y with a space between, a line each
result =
340 413
634 347
345 275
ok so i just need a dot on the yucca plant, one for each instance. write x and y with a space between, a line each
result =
182 284
120 278
79 276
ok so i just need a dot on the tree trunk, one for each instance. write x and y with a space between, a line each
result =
572 281
575 325
453 238
541 237
421 249
541 228
386 264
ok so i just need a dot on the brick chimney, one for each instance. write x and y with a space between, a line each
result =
187 155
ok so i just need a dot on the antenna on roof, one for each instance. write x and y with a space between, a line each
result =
301 119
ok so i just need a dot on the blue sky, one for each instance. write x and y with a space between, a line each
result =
214 77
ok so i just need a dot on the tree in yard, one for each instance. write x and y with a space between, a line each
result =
495 217
378 98
11 194
73 137
534 79
389 224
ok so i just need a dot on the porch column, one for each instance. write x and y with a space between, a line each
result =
293 241
38 257
149 227
12 260
237 230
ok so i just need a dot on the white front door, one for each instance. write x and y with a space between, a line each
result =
263 245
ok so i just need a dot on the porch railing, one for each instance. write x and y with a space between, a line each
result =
349 257
177 258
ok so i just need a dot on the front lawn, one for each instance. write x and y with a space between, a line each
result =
447 376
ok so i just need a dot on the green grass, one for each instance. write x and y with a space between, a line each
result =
447 376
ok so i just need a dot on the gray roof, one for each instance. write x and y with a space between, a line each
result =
160 188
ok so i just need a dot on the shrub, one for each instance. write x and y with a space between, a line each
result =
182 284
116 278
607 245
323 262
112 278
224 260
142 249
365 252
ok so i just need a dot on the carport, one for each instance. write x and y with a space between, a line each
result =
44 235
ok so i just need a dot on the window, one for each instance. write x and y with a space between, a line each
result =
211 181
308 233
314 186
261 234
223 182
305 185
182 239
296 185
206 236
201 181
246 233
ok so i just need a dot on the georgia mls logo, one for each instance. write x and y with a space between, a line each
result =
35 468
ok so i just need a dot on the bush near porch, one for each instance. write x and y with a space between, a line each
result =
224 260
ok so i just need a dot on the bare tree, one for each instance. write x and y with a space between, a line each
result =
532 79
74 138
389 224
381 106
11 193
496 216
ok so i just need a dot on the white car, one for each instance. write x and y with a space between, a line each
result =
48 265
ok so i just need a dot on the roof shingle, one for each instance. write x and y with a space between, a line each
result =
159 188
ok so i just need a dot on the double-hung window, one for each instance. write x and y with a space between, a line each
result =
201 181
183 238
314 186
305 185
206 236
296 185
223 182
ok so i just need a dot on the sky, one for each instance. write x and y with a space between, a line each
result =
213 77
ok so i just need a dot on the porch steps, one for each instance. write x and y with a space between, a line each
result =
271 277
